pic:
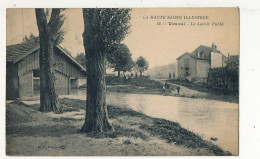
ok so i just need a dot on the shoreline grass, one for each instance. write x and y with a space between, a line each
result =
213 94
169 131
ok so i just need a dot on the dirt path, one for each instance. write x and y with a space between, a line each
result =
184 91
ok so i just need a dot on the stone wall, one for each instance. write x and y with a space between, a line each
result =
26 85
11 81
203 67
62 83
216 60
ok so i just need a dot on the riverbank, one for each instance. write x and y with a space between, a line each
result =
30 133
149 86
138 90
137 86
195 91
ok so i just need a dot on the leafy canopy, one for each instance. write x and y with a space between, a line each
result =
56 29
53 19
120 59
108 27
29 38
55 23
141 64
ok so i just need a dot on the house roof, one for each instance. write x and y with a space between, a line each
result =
206 50
15 53
186 53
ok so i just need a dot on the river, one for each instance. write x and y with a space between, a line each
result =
207 118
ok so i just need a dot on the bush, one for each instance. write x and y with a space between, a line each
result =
224 78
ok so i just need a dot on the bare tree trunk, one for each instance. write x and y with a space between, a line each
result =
49 100
118 73
96 109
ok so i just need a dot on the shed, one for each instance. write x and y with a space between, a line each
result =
22 70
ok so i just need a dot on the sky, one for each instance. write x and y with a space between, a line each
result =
159 44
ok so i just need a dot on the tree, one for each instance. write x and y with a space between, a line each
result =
29 38
120 59
50 34
103 28
81 59
141 65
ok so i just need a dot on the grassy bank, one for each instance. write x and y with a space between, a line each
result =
138 82
208 93
30 132
148 86
138 90
136 85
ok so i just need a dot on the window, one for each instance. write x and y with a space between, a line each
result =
36 73
187 71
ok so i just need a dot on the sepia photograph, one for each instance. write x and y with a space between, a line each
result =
122 81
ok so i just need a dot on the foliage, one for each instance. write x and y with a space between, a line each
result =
29 38
120 59
80 57
141 64
54 18
57 22
111 27
224 78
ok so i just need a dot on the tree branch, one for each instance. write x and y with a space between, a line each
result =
41 20
54 20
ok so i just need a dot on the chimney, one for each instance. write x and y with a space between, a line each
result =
214 48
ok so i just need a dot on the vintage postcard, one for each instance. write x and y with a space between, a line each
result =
122 82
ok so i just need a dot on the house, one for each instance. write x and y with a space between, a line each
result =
23 75
195 65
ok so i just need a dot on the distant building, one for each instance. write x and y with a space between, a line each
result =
23 75
196 65
162 72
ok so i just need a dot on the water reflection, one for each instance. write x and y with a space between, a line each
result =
208 118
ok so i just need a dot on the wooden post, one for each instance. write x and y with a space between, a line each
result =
32 84
69 85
